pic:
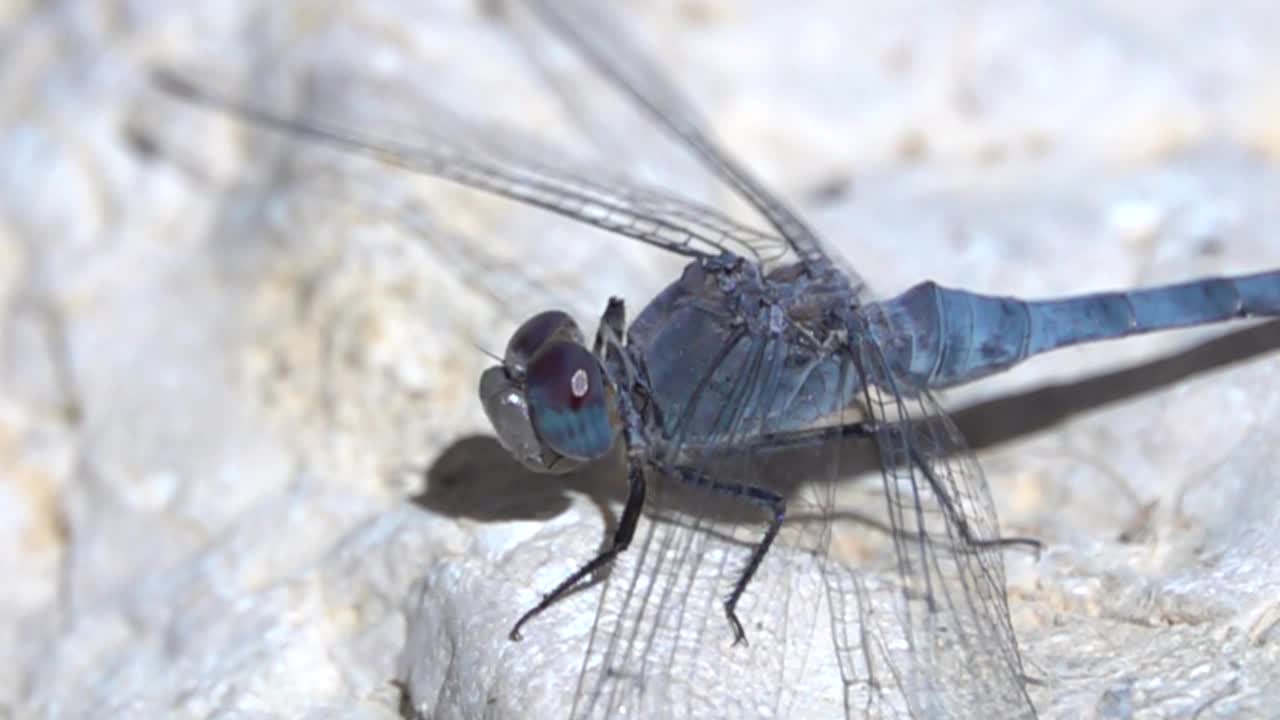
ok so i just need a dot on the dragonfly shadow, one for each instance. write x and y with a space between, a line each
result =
1008 418
476 478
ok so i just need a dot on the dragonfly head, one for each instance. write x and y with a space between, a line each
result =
548 400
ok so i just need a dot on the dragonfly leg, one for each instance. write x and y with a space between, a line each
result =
621 540
862 429
961 523
771 501
818 436
612 326
867 430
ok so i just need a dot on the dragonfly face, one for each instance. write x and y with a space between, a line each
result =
548 401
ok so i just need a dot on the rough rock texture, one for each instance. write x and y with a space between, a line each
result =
230 360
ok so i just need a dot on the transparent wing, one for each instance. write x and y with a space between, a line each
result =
921 630
487 160
661 645
964 654
602 41
507 282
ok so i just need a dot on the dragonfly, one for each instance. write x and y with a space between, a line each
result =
766 354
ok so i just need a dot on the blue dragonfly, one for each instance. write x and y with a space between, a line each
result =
767 353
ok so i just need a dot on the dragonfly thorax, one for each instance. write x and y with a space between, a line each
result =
724 327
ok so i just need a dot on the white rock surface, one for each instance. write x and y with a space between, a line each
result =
227 365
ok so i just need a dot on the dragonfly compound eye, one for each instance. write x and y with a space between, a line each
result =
566 395
537 332
508 411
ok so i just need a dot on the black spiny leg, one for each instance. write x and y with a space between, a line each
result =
612 327
609 349
621 539
867 430
766 499
962 524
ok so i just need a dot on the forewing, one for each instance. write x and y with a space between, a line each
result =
508 282
499 161
591 29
